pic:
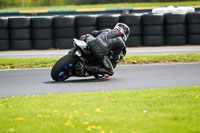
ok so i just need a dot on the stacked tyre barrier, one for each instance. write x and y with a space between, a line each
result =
42 33
193 28
20 33
26 33
107 21
175 29
64 31
134 23
153 30
85 25
4 34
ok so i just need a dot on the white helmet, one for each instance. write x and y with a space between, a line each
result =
123 30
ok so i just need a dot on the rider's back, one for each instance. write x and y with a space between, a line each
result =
105 41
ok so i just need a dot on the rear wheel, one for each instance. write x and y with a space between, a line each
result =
61 69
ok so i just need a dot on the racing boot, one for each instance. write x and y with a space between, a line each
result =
98 76
106 75
79 69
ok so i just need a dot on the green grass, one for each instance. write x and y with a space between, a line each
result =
174 110
117 5
166 58
22 63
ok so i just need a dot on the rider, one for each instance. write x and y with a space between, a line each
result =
104 41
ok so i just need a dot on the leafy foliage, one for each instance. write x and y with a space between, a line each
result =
36 3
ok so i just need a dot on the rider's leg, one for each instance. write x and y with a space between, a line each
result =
106 69
106 63
96 69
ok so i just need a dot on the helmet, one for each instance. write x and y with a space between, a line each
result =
123 30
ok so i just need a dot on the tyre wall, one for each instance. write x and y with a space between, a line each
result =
42 33
25 33
152 30
193 28
107 21
20 33
64 31
85 25
175 29
4 34
134 23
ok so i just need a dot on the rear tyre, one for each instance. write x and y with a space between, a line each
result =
61 64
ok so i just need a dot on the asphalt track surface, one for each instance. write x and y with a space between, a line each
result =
135 77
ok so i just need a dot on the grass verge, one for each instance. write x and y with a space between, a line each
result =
174 110
116 5
22 63
166 58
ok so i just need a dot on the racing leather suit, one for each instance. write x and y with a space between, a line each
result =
101 43
105 41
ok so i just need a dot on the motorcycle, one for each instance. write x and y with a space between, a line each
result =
65 67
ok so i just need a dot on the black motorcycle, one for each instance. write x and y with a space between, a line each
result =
65 67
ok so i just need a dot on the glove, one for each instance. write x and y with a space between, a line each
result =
83 37
95 33
115 61
114 65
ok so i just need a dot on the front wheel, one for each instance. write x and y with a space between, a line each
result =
58 70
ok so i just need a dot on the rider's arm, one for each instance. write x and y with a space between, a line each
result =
122 54
95 33
113 34
87 38
118 55
120 50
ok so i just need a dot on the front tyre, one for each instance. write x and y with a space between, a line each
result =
60 65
